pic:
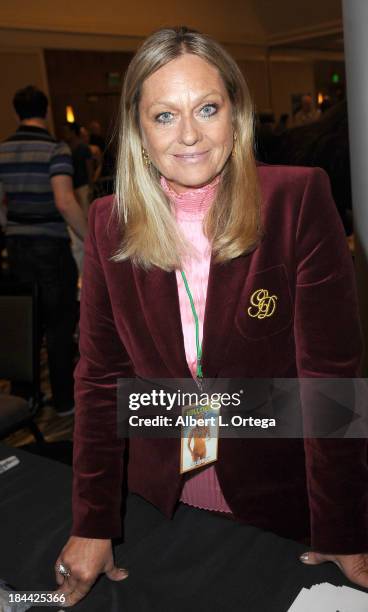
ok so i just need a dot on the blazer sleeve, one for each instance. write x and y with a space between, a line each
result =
328 344
98 450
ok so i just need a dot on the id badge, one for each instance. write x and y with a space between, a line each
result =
199 436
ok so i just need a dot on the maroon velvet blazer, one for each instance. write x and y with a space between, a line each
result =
316 489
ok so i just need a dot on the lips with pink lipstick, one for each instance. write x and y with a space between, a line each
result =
191 157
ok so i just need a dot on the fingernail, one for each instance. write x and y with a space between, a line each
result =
124 572
304 557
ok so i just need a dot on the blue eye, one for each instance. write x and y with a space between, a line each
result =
209 110
164 117
206 112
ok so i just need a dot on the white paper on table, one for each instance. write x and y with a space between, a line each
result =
326 597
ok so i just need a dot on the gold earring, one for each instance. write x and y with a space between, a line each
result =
146 159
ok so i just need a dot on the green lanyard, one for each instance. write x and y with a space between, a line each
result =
199 346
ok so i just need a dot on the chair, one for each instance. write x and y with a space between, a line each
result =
19 357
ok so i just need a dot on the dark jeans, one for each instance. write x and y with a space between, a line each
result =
49 262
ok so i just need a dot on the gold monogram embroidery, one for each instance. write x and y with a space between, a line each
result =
263 304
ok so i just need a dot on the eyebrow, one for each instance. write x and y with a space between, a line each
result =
172 104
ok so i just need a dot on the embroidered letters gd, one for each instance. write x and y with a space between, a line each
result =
263 304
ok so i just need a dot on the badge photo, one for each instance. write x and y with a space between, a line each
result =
199 436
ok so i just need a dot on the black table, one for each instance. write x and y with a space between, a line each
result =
195 561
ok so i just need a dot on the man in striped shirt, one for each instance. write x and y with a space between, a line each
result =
36 175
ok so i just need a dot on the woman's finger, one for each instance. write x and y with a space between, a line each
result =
69 585
59 577
66 589
80 590
355 567
315 558
117 573
73 590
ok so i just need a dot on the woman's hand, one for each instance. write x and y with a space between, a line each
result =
85 558
355 567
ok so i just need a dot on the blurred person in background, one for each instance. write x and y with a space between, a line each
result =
325 105
104 183
82 164
82 180
282 125
36 174
95 135
323 144
265 139
97 156
307 112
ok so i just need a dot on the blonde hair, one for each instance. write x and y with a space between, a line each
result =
150 235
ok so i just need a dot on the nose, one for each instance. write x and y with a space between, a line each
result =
189 131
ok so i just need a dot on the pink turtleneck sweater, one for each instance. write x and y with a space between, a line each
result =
202 488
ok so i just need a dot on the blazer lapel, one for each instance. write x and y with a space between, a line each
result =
158 294
159 299
225 284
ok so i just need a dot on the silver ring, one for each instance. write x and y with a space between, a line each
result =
64 571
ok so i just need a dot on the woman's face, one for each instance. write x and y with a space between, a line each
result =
186 122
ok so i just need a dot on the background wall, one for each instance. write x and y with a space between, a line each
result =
253 31
80 79
18 67
86 87
255 73
288 78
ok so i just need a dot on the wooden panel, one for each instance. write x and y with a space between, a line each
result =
18 69
255 73
80 79
288 78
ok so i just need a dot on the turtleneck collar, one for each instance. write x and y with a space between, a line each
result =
194 203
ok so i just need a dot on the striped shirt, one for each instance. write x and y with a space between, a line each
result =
28 160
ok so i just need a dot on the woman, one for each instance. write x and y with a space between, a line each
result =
197 441
192 209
